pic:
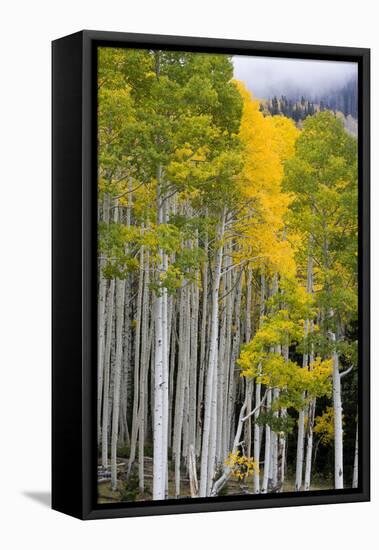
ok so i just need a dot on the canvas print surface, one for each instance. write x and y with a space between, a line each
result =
227 275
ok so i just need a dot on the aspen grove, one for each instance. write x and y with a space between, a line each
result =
227 286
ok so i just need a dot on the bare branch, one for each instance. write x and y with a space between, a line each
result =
345 372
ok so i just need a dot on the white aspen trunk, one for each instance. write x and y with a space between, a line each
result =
158 458
233 374
160 431
219 414
107 361
166 354
173 359
160 416
249 387
249 384
282 450
258 396
300 451
217 486
120 297
137 352
281 456
257 438
143 376
266 468
127 349
220 482
194 488
181 384
227 364
185 427
126 365
308 456
213 433
101 316
203 347
338 429
193 362
311 420
356 459
212 365
249 282
273 471
301 420
273 481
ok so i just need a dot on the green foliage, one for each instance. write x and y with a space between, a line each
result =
322 177
324 426
279 424
129 490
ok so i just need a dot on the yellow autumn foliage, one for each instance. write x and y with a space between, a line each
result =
268 142
241 466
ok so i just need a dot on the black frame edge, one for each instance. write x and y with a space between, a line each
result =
81 502
67 99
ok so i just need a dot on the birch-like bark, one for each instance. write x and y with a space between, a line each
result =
258 395
338 429
266 469
221 366
143 375
301 420
249 388
308 456
107 361
234 377
356 459
183 359
107 367
193 361
210 395
137 352
203 347
231 332
101 315
194 488
160 435
120 297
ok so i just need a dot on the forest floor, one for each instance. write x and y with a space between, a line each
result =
129 491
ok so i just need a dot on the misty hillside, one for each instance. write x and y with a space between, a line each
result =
343 102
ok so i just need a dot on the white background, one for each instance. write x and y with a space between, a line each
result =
27 27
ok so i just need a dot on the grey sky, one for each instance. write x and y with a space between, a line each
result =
268 76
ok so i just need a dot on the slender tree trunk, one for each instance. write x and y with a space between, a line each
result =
234 377
356 459
107 366
266 469
143 375
249 384
338 429
258 396
137 352
193 362
194 488
210 395
182 375
301 420
101 315
120 297
221 374
203 348
308 456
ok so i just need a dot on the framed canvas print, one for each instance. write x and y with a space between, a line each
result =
210 275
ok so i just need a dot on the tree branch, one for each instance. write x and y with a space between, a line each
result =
345 372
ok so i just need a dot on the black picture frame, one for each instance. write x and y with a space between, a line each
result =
74 203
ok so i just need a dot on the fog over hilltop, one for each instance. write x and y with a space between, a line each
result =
266 77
